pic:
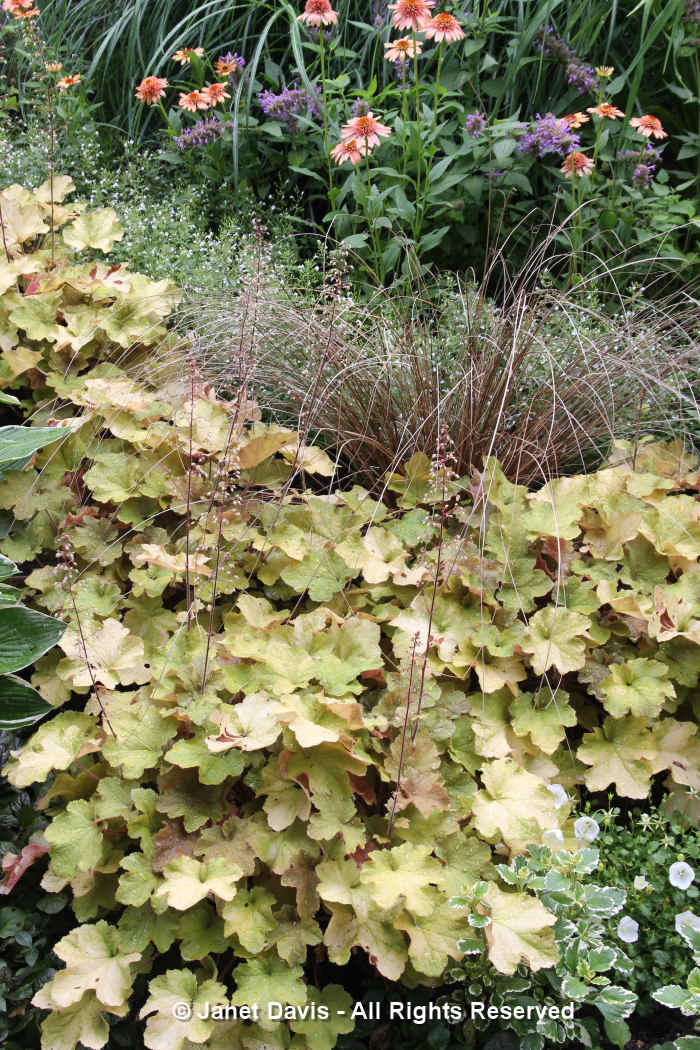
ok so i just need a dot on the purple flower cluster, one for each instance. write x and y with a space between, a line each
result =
237 62
202 133
475 124
578 74
644 165
360 108
378 13
642 175
549 134
291 103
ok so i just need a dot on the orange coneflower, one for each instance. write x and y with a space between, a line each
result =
318 13
411 14
349 150
576 120
648 125
194 100
401 50
151 90
21 8
53 67
184 55
216 93
66 82
577 164
606 110
366 128
444 27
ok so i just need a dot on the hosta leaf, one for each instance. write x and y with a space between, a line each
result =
520 931
94 962
95 229
20 705
25 635
17 443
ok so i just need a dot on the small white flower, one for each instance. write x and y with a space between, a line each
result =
586 828
681 875
560 796
628 930
689 918
640 882
553 838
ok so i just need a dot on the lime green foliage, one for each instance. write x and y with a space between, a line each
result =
287 746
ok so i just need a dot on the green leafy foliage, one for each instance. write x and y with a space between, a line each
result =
275 747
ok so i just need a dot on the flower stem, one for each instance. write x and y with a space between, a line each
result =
419 164
370 221
325 114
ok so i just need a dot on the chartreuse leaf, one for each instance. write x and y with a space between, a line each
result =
638 686
108 654
404 874
141 734
556 639
323 1034
165 1030
520 930
618 753
513 805
76 840
249 916
201 932
82 1024
55 745
139 881
265 979
432 938
545 720
212 768
188 881
94 962
95 229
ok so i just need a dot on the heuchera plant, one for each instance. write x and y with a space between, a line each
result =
294 723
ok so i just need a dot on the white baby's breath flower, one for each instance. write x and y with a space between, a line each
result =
640 882
586 828
681 875
553 838
560 796
628 929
